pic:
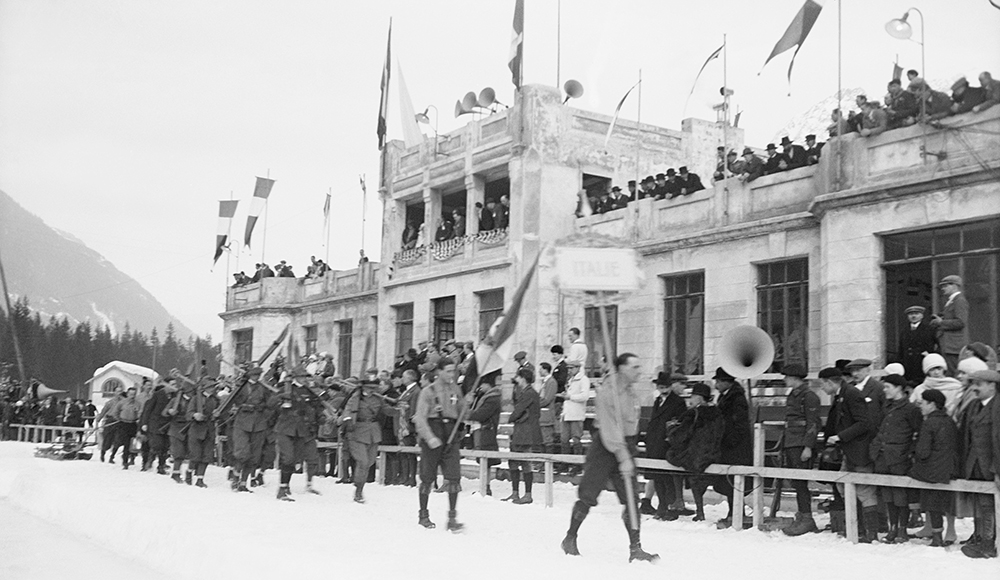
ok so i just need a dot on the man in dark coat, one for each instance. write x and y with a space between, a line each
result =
872 389
966 97
935 459
892 452
250 424
407 431
362 419
485 217
153 425
794 155
485 417
979 458
773 162
527 435
688 183
618 200
952 324
903 107
295 430
852 423
802 425
916 340
753 166
667 407
177 413
696 443
813 150
201 433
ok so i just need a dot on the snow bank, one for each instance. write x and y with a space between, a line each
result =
186 532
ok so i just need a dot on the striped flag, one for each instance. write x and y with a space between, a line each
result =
383 106
797 32
517 44
260 193
227 209
495 349
618 110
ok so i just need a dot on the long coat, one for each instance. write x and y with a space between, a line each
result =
250 405
737 438
851 419
366 410
205 428
802 421
669 409
547 398
152 412
913 343
697 442
977 439
936 453
525 416
892 447
954 325
486 407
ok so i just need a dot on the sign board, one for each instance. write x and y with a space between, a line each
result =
598 269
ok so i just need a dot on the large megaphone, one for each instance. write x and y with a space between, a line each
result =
488 98
468 104
574 90
746 352
42 392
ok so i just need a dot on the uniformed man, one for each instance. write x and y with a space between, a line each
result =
201 432
153 425
177 412
362 420
440 408
610 456
916 341
297 425
802 425
249 426
407 431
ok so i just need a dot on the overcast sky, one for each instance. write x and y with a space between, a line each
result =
123 122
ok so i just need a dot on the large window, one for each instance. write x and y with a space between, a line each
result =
404 328
311 336
111 387
490 308
243 342
594 338
444 319
916 261
345 343
783 309
684 323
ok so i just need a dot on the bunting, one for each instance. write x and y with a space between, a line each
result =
797 32
227 209
260 193
383 106
517 45
618 110
715 54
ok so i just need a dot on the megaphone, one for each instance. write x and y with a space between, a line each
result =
42 392
746 352
468 104
488 98
574 90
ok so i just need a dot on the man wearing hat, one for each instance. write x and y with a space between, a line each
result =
965 97
902 107
668 406
737 438
648 187
574 409
952 325
916 341
633 194
794 155
753 166
802 425
618 199
873 391
979 441
660 190
521 358
812 150
687 183
151 424
773 161
250 426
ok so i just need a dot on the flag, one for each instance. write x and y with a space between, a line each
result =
897 71
260 193
326 207
618 110
797 31
411 132
495 349
710 58
383 106
736 120
227 209
517 44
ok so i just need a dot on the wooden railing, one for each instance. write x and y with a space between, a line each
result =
51 433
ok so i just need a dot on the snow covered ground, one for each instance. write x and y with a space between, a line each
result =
81 520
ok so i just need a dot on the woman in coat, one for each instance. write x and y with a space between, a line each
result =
527 436
935 459
892 451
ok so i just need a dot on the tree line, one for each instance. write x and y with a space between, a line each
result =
63 356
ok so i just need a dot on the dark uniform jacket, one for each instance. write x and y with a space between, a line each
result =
737 438
546 399
892 447
559 372
794 156
802 422
665 410
204 428
366 409
407 407
913 342
179 403
971 97
771 164
250 405
754 168
697 442
438 408
977 438
486 407
527 409
935 456
813 154
954 325
301 419
689 185
152 412
851 420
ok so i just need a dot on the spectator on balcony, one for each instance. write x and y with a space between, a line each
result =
502 216
648 187
410 235
617 199
484 217
660 185
874 121
964 97
444 231
794 155
902 106
672 187
773 161
812 150
421 235
603 203
284 270
732 162
992 89
753 166
633 195
241 279
458 223
687 183
937 104
839 126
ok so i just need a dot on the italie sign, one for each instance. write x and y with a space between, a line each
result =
598 269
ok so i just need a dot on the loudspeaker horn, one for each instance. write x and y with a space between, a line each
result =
466 105
486 98
574 90
42 392
746 352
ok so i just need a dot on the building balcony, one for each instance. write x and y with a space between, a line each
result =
287 292
457 254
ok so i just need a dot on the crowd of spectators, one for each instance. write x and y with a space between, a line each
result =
316 269
48 411
495 215
672 184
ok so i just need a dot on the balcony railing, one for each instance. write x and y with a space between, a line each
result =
289 291
456 248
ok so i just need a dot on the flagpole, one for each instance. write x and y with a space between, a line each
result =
263 243
559 43
840 115
326 258
364 210
638 136
725 114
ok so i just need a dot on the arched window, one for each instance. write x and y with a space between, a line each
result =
111 386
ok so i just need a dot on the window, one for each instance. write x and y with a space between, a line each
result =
783 309
444 319
243 341
111 386
404 328
345 329
593 336
596 185
684 324
496 189
490 308
311 335
915 261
